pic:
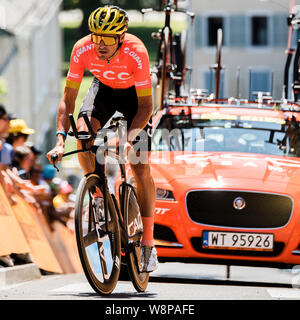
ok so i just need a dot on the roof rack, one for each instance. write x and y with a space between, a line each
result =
201 98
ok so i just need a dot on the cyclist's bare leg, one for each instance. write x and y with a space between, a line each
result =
87 159
146 200
145 188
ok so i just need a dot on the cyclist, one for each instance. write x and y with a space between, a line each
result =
120 64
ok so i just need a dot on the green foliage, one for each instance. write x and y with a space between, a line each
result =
3 89
88 5
141 30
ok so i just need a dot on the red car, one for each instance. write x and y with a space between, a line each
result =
228 183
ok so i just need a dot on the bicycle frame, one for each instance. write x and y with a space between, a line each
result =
100 169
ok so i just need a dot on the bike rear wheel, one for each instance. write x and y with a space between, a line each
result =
134 229
98 235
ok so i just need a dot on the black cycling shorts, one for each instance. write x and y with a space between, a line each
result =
101 102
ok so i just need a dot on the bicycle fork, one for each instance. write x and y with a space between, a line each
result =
102 232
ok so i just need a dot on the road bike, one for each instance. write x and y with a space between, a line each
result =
170 65
108 231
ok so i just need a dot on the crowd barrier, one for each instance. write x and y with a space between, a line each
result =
24 229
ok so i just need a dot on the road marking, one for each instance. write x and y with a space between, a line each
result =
83 286
283 293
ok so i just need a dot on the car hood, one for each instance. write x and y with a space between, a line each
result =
227 170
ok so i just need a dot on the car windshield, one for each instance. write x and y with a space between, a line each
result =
208 132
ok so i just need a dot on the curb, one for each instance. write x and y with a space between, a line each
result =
18 274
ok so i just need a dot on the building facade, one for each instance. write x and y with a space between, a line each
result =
30 63
255 36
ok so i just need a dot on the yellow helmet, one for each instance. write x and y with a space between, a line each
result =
108 20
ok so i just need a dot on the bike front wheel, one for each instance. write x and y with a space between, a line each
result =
97 234
134 230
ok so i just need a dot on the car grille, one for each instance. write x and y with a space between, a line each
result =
262 210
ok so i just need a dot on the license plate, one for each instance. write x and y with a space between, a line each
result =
238 240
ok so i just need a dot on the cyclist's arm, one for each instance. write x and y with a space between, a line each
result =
143 87
66 106
67 103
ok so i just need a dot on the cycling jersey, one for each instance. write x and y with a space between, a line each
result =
130 67
101 102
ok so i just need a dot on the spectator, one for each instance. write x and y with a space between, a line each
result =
48 173
62 202
6 150
5 160
36 175
23 161
19 175
63 196
35 151
37 180
18 132
53 182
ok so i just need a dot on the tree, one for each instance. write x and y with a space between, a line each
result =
87 6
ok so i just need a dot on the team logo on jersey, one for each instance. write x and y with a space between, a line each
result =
73 75
134 56
81 50
111 75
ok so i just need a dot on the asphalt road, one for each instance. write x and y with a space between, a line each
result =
172 281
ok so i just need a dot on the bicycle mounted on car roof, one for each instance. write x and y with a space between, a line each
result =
170 66
293 21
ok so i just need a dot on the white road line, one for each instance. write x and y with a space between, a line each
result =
284 293
76 287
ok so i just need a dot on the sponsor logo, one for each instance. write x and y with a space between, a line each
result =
111 75
134 56
161 210
143 83
97 64
73 75
239 203
82 50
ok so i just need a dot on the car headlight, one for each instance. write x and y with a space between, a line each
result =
162 194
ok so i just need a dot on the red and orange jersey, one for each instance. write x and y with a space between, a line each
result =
130 67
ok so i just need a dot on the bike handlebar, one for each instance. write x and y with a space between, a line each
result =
54 158
114 124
